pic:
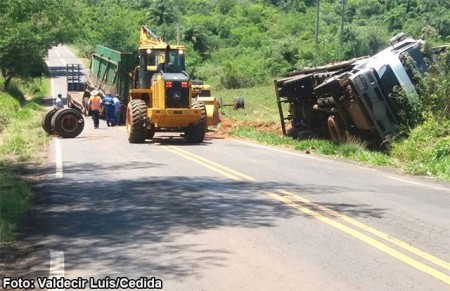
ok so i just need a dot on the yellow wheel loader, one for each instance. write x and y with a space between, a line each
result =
161 97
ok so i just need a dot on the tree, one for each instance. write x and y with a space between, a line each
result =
29 30
162 12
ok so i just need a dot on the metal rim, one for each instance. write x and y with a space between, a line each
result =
69 123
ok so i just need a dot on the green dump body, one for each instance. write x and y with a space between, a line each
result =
112 71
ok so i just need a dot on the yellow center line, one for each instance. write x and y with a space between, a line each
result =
376 232
207 165
235 175
382 247
203 161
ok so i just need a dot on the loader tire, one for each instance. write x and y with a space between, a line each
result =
135 121
336 129
47 121
195 133
67 123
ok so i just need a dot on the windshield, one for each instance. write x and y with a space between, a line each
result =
418 60
174 63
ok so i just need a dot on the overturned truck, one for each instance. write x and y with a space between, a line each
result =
364 97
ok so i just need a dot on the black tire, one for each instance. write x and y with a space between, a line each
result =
67 123
239 103
47 121
195 133
135 121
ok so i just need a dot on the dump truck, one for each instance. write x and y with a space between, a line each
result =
364 97
155 91
109 71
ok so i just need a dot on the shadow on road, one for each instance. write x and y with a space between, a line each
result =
119 222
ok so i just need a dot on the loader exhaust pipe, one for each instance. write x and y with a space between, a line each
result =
166 58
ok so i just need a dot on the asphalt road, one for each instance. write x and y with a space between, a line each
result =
232 215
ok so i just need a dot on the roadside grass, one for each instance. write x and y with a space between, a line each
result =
427 150
21 141
354 151
260 103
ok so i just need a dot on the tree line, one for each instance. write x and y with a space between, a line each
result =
231 43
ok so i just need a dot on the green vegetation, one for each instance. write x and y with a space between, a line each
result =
231 44
21 140
29 29
246 43
427 150
259 103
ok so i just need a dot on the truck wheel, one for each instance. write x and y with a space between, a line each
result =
336 130
47 121
239 103
195 133
67 123
135 121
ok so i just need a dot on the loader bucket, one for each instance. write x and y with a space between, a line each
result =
212 110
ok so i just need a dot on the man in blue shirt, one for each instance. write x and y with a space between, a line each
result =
108 102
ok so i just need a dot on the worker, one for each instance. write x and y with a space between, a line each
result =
108 101
94 105
117 109
57 102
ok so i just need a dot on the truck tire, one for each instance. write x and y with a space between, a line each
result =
195 133
135 121
336 129
67 123
239 103
47 121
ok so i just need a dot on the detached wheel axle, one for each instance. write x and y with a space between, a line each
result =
238 103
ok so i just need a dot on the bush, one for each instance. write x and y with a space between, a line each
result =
427 149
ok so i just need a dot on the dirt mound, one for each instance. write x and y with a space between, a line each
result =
227 124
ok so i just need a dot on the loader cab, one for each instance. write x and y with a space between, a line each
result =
153 61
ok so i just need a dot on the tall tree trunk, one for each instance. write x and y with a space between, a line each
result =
341 33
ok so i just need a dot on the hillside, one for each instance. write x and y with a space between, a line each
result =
232 43
245 43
